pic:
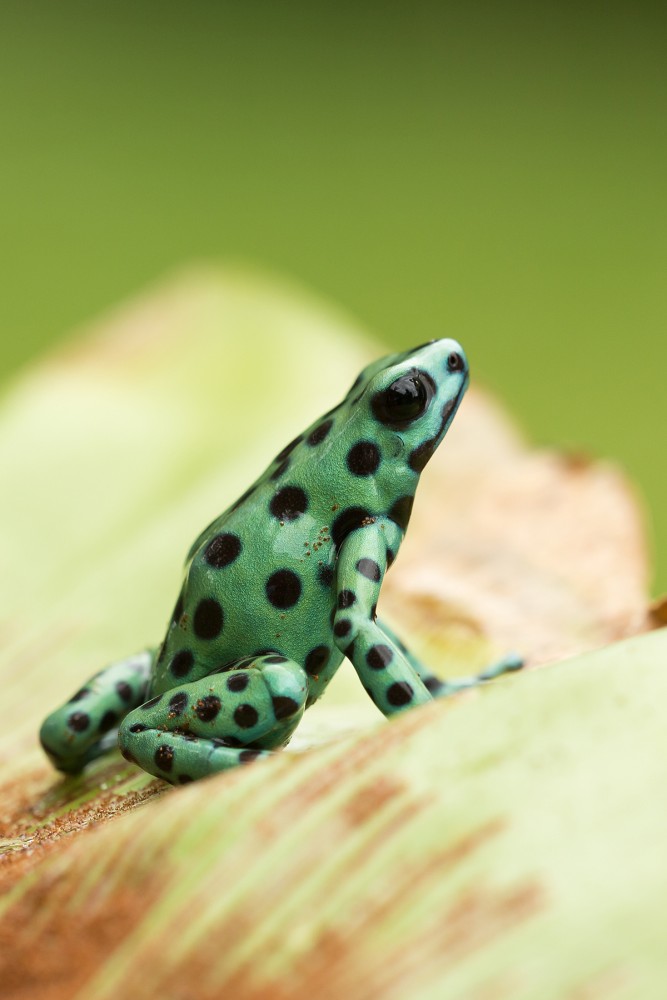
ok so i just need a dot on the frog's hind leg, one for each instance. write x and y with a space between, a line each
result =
443 689
239 713
86 726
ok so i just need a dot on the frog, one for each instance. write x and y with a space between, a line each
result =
282 587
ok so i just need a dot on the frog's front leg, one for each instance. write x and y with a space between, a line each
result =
392 676
242 711
85 726
387 675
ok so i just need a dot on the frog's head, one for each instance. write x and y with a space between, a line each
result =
413 396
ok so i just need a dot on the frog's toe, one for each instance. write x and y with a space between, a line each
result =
507 665
181 757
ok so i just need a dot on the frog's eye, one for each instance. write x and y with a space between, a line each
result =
455 362
403 401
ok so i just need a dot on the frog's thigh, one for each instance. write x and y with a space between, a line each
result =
225 719
84 727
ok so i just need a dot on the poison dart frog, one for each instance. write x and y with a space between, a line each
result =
280 588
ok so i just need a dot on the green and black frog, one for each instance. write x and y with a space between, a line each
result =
280 588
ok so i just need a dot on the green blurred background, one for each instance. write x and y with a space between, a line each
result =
489 171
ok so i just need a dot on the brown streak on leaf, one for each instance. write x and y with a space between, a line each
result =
58 961
658 613
365 803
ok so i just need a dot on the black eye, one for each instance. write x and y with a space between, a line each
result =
455 362
401 402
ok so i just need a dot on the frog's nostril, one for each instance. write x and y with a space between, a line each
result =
455 362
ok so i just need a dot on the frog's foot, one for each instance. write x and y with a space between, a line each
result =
233 716
85 727
443 689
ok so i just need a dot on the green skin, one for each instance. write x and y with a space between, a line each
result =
280 588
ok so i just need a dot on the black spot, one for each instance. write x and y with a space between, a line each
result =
373 614
153 701
347 521
284 707
262 652
401 510
325 575
280 470
208 707
363 458
177 613
288 449
420 455
138 727
391 555
433 684
237 682
247 756
184 779
245 716
379 656
164 757
399 693
208 619
124 691
108 721
342 627
178 703
349 650
182 663
318 434
316 659
78 722
455 362
370 569
222 550
289 503
82 693
283 588
346 598
276 659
